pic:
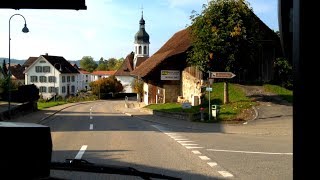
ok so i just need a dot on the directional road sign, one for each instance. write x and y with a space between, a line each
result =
226 75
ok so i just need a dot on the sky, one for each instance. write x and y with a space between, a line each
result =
106 29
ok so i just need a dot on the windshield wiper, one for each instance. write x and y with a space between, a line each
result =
85 166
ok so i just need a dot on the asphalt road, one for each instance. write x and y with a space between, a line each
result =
99 134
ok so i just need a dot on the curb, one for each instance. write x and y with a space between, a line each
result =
43 119
255 117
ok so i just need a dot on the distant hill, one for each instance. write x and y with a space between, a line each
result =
21 62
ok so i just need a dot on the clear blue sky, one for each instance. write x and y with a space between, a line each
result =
106 29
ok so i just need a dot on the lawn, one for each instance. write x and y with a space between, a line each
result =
282 92
230 111
43 105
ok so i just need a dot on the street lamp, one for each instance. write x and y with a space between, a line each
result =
54 82
25 30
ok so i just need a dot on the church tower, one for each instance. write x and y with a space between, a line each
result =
141 43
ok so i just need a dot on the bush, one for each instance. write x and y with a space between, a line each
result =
283 73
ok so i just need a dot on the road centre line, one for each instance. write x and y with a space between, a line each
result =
91 126
81 152
249 152
225 173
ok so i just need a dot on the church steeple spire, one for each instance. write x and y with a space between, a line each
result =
141 41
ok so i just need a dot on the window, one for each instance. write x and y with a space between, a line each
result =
63 89
38 69
145 50
63 79
52 79
43 79
51 89
42 89
68 78
46 69
140 49
73 89
34 78
73 78
42 61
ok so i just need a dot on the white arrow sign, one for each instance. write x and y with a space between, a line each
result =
227 75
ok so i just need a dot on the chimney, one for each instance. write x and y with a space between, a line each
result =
47 54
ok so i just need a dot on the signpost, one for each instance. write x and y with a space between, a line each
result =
225 75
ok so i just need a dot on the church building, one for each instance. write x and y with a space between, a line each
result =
134 59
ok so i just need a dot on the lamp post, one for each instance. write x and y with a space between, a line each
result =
54 82
25 30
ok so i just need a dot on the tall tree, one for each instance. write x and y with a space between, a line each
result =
225 31
106 85
88 63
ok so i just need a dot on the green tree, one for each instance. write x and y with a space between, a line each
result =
283 73
106 85
225 31
88 63
137 86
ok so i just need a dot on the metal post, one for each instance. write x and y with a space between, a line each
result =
209 97
25 30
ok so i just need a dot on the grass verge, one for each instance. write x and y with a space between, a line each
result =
282 92
231 111
44 105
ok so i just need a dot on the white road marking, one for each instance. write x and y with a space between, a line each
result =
196 152
81 152
90 117
189 144
249 152
176 136
181 139
204 158
225 174
170 134
212 164
184 141
193 147
91 126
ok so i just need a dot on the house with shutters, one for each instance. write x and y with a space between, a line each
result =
53 75
134 59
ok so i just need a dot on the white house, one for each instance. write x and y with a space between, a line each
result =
52 75
84 78
134 59
96 75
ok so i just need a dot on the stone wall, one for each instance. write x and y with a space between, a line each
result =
191 88
171 93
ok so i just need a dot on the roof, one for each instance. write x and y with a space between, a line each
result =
180 42
59 60
103 72
29 61
17 71
84 72
55 61
126 67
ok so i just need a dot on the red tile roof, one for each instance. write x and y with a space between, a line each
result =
29 61
180 42
84 72
17 71
126 67
103 72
